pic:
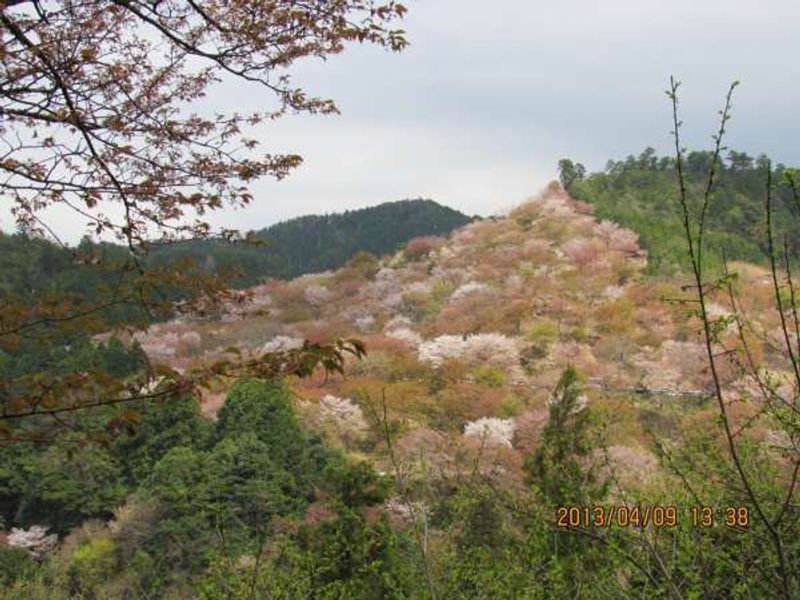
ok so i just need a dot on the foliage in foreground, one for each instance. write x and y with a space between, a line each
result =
252 505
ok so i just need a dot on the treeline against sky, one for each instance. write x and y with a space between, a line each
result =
316 243
641 193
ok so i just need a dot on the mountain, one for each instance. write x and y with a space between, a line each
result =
521 373
473 340
31 266
316 243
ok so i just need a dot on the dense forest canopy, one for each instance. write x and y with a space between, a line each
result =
32 266
201 494
640 192
316 243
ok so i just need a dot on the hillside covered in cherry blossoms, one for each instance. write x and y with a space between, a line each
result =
467 335
521 373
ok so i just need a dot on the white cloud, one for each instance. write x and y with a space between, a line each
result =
477 112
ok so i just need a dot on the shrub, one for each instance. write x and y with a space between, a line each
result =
542 330
490 376
93 563
421 246
15 565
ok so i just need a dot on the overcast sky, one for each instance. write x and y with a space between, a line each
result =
477 111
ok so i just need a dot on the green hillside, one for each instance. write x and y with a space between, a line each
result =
316 243
32 266
641 193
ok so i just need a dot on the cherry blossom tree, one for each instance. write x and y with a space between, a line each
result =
35 540
495 432
406 335
347 415
581 251
282 342
420 247
491 348
616 237
471 287
317 295
97 101
99 115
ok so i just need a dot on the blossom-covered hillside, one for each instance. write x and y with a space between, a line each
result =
467 336
523 374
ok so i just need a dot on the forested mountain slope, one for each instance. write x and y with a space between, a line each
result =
641 193
32 267
316 243
312 243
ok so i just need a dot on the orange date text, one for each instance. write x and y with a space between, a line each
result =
616 516
658 516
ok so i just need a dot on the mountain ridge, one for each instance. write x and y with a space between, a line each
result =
313 243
